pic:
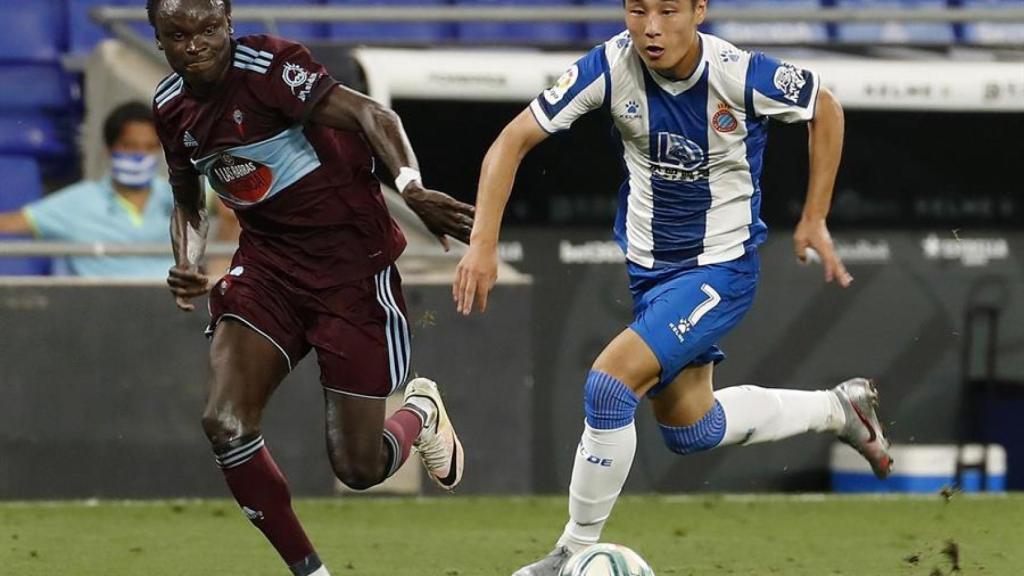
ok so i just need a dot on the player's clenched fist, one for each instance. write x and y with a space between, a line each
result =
474 278
187 284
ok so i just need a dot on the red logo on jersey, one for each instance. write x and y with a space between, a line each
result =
723 120
244 180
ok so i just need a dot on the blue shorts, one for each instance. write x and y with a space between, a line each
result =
682 313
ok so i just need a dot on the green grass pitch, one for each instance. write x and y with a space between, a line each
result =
469 536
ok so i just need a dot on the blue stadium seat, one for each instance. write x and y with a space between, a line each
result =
33 87
395 33
552 33
993 33
19 185
290 30
32 30
768 32
84 33
597 32
31 135
894 32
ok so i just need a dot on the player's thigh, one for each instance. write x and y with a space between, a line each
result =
361 336
684 317
256 341
354 426
630 360
246 368
687 398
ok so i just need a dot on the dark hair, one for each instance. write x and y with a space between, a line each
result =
122 116
152 5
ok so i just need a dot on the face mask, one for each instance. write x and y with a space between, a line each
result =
133 170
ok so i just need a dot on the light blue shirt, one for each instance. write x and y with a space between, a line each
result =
92 211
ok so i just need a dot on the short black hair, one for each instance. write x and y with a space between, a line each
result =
123 115
153 5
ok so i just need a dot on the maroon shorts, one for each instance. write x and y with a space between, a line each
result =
359 329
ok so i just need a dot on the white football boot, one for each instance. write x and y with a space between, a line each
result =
437 444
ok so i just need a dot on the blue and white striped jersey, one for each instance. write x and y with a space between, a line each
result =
692 147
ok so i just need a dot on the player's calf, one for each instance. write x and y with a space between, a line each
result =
702 435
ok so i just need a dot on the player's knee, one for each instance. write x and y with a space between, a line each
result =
357 476
609 404
703 435
222 426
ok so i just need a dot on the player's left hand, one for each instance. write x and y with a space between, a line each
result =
812 236
443 215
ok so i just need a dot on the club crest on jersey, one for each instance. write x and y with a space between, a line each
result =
790 81
240 180
724 121
679 159
239 119
555 94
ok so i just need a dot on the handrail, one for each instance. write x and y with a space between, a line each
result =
112 14
31 248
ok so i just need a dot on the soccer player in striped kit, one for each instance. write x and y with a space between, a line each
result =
292 152
692 112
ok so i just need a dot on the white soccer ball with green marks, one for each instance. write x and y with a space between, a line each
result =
606 560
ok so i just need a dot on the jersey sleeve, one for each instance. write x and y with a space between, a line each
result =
780 90
295 81
582 88
180 170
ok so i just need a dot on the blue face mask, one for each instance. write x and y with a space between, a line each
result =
133 170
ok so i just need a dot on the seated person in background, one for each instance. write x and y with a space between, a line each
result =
132 205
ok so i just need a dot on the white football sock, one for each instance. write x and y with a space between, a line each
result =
754 414
603 460
322 571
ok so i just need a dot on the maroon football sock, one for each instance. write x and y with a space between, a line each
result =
399 432
262 491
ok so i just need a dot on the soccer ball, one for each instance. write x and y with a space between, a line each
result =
606 560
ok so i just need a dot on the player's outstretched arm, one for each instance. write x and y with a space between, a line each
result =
478 269
826 150
347 109
188 240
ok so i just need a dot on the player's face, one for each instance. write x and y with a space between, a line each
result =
664 32
195 35
137 138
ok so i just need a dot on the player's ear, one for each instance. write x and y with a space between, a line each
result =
231 27
700 8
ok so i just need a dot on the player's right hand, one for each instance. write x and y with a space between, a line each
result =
186 284
475 276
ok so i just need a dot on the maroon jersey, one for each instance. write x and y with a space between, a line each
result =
305 195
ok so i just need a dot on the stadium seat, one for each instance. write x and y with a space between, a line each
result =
388 32
291 30
20 185
894 32
551 33
993 33
31 135
768 32
597 32
33 87
31 30
84 33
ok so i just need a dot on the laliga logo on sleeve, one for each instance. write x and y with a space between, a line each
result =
555 94
790 81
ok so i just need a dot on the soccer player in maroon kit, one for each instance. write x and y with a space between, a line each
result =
292 152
